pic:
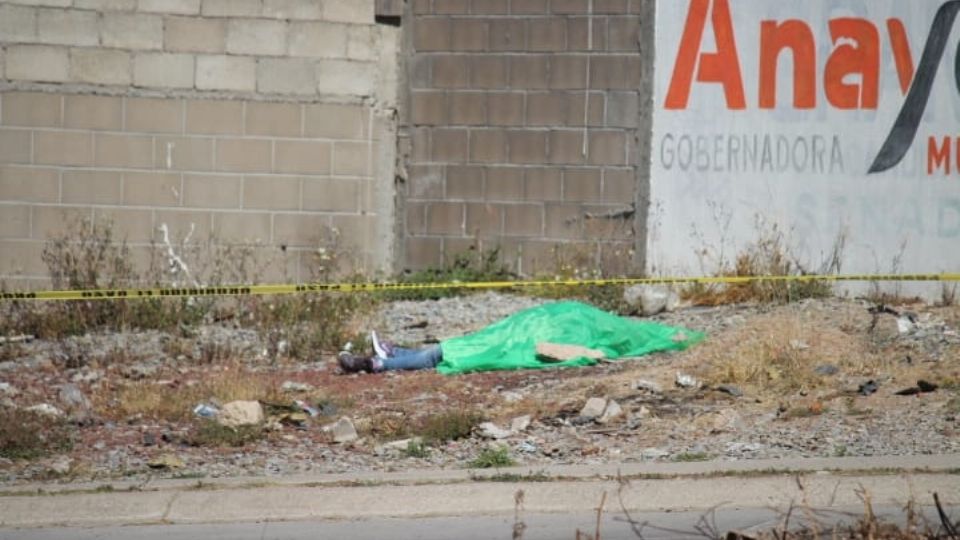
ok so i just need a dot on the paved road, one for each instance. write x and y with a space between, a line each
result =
614 526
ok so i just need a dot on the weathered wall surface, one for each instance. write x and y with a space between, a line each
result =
259 122
523 130
801 99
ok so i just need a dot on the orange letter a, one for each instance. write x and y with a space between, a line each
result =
721 67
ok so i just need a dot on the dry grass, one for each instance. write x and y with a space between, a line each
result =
778 353
29 435
175 402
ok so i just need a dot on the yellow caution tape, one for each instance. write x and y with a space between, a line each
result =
249 290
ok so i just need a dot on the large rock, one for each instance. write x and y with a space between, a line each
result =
241 413
650 300
73 399
343 431
612 412
489 430
594 408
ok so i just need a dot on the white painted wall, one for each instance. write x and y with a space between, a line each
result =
903 212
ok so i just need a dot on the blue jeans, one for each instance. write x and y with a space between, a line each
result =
410 359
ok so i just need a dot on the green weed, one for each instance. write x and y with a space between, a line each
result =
491 458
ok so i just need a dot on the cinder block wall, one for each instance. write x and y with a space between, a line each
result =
528 131
256 122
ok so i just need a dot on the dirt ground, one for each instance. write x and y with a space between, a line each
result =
814 378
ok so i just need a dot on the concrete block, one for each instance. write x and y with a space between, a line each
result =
422 253
221 72
562 221
619 185
346 77
569 72
566 147
14 146
429 108
451 7
106 5
274 119
622 72
256 37
14 221
528 7
507 34
484 219
623 109
100 66
334 121
468 34
231 8
303 157
468 108
351 11
351 158
52 3
184 153
488 146
37 63
180 7
29 184
181 223
543 184
195 34
451 72
363 43
124 151
581 185
271 193
505 109
93 112
530 72
527 147
505 184
214 117
608 148
242 227
449 145
446 218
131 31
163 70
623 34
286 76
244 155
63 148
57 220
578 34
67 27
92 187
135 225
211 191
464 183
431 34
564 7
31 109
293 9
547 34
331 194
152 189
18 24
318 40
523 220
149 115
489 7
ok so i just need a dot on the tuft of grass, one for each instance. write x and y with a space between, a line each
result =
416 449
769 255
689 457
210 433
470 266
30 435
449 426
491 458
532 476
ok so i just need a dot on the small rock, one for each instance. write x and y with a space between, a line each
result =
905 324
527 447
594 408
46 409
511 397
149 439
343 430
926 387
826 370
654 453
612 412
799 345
166 461
730 389
73 398
241 413
293 386
651 300
644 412
489 430
649 386
61 466
402 444
686 381
520 423
868 388
7 390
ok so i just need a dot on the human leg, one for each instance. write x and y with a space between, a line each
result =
411 359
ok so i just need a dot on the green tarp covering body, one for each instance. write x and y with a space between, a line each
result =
511 343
